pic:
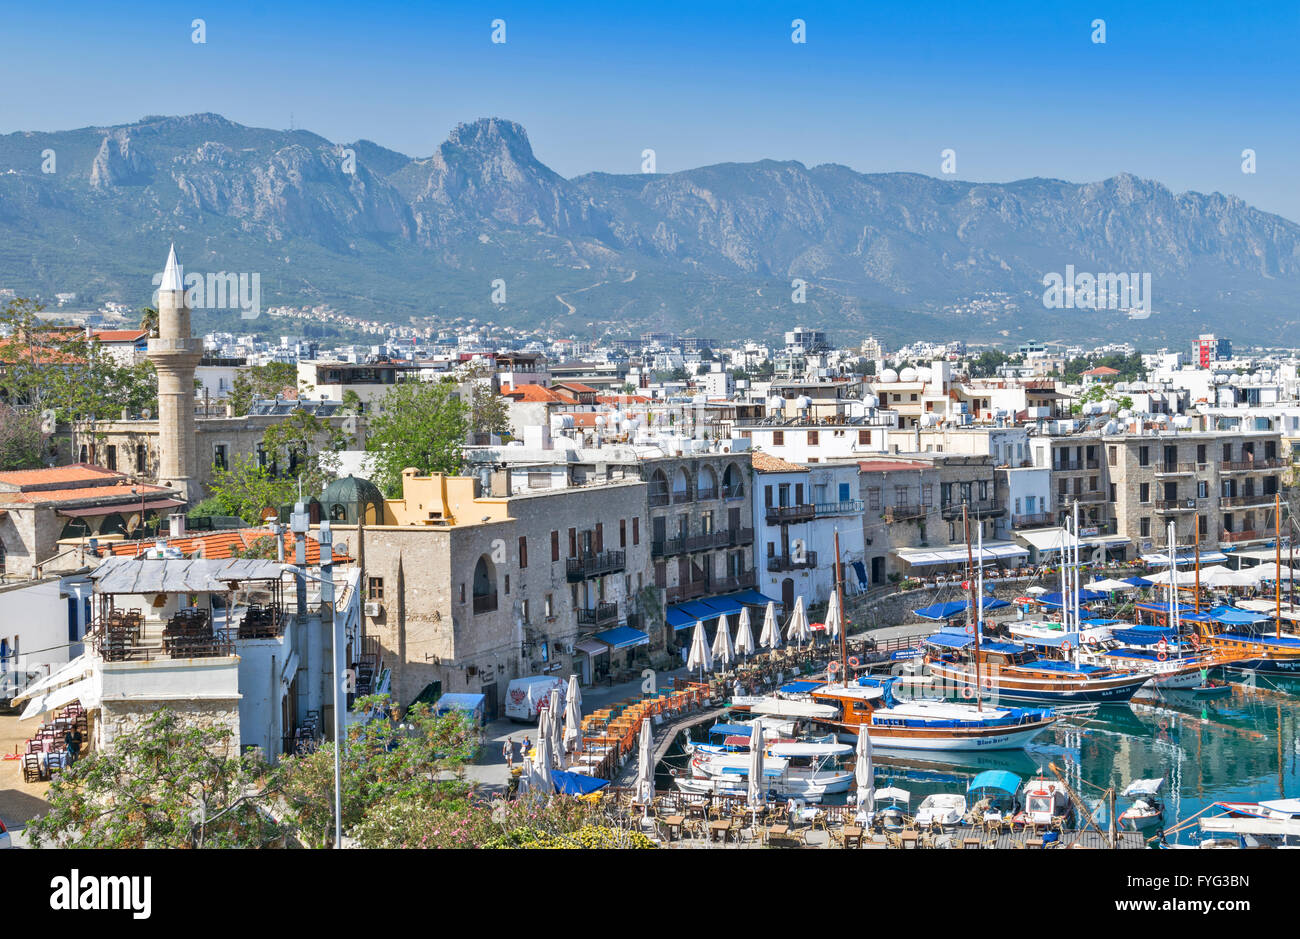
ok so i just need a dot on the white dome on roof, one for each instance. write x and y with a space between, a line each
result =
776 403
1122 386
871 401
907 375
889 376
924 374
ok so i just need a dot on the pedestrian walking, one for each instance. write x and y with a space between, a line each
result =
509 750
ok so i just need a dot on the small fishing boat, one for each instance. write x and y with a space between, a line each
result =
1147 811
1275 823
1212 689
943 808
1045 803
892 808
809 771
994 795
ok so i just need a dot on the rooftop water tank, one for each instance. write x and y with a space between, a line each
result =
907 375
889 376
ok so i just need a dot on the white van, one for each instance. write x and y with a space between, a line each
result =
525 697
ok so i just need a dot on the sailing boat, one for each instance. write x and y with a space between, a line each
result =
1014 672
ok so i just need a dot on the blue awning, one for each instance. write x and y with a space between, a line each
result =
723 606
1085 596
576 784
1051 642
622 637
696 609
1138 582
731 730
752 598
1005 648
950 640
998 779
1144 637
677 619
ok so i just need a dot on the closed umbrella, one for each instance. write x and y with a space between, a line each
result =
556 727
699 656
797 630
1269 571
770 638
834 619
723 652
756 793
542 780
572 718
645 770
1220 576
744 636
864 774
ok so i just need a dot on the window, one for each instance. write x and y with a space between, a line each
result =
814 438
927 494
523 553
110 458
1204 523
1200 453
573 542
1144 527
1092 484
1227 453
864 438
873 497
548 607
636 530
1112 492
375 588
485 586
141 458
778 438
845 495
507 584
219 456
1144 492
555 546
523 610
1202 491
622 533
1144 456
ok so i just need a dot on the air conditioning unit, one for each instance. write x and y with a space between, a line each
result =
374 608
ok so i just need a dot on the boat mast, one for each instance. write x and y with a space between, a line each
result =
839 597
970 603
1174 621
1196 540
1074 585
1277 541
979 614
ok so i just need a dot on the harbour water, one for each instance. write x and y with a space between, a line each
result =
1243 747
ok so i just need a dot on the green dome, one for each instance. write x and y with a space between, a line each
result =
347 498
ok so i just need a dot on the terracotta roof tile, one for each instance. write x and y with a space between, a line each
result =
76 472
885 466
218 545
765 463
121 335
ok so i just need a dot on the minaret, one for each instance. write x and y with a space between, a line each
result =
174 354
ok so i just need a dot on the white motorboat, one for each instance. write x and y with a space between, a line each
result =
808 771
945 808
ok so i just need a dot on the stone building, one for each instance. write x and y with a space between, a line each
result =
465 592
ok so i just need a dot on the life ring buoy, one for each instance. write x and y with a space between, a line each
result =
1196 641
987 682
970 630
1162 655
832 668
854 661
967 692
1065 645
1163 643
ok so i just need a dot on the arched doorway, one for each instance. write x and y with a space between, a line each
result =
485 585
787 595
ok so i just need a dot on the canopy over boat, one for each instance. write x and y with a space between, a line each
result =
731 730
791 750
1231 616
1143 787
998 779
894 793
940 611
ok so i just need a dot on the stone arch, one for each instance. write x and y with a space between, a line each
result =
485 585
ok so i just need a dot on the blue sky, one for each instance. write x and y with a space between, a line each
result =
1016 89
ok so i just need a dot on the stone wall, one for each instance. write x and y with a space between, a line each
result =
120 717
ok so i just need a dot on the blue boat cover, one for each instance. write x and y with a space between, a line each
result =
1232 616
1101 621
950 640
623 637
1144 637
1052 642
1057 665
1266 638
1163 608
576 784
939 611
731 730
1085 596
800 687
1138 582
998 779
1006 648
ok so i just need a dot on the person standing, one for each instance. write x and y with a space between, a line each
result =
67 745
509 750
76 744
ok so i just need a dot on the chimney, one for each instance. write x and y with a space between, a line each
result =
176 525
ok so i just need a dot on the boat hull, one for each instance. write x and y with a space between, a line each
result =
1010 738
1008 687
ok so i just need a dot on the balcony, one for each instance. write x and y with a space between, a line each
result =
1076 466
785 562
851 507
1261 500
658 498
594 565
681 495
733 492
1175 505
705 495
485 603
740 536
978 508
705 542
905 513
1065 498
1247 466
688 591
776 514
1252 534
745 580
1032 520
1178 469
602 614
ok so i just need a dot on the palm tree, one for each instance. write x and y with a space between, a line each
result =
149 320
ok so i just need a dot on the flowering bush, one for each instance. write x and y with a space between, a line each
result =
590 837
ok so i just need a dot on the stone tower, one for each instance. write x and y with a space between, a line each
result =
174 354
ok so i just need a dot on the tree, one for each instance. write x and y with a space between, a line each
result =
22 443
261 381
488 411
64 371
245 489
420 425
149 321
417 763
166 784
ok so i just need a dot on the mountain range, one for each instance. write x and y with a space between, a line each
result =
711 251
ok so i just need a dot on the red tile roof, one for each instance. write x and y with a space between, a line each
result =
1102 370
533 394
765 463
218 545
36 496
121 335
75 472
